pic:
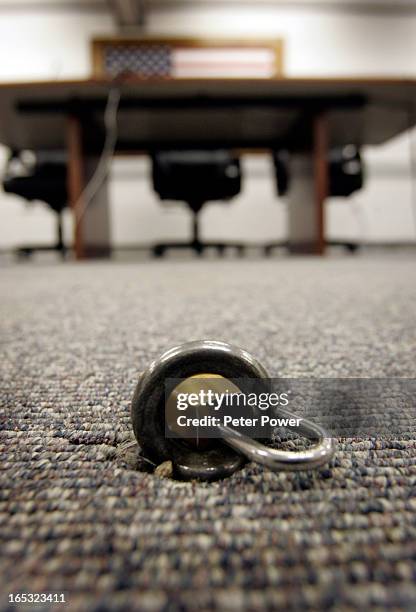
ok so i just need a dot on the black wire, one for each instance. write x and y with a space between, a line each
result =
412 151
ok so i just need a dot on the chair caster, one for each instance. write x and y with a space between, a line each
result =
23 254
159 250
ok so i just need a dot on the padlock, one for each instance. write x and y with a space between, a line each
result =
211 459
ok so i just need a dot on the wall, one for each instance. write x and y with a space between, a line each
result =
320 39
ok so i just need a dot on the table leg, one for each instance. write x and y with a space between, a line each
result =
321 177
76 179
308 192
91 222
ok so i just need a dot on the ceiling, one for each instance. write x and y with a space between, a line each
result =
132 13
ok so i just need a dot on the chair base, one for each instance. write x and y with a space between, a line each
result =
27 250
351 247
199 247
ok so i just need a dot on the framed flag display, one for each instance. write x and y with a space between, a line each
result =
162 58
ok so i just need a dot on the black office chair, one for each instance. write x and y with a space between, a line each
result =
40 176
196 177
346 171
346 176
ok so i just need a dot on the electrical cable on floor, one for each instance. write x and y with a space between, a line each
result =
103 167
412 149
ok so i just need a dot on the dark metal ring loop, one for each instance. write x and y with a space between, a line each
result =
148 405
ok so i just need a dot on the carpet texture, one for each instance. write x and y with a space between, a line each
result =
77 517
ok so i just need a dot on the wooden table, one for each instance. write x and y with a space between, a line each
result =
306 116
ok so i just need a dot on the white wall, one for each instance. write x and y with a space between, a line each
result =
319 40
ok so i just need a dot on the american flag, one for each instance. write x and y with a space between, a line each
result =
162 60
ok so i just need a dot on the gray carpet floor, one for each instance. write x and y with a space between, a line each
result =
77 517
